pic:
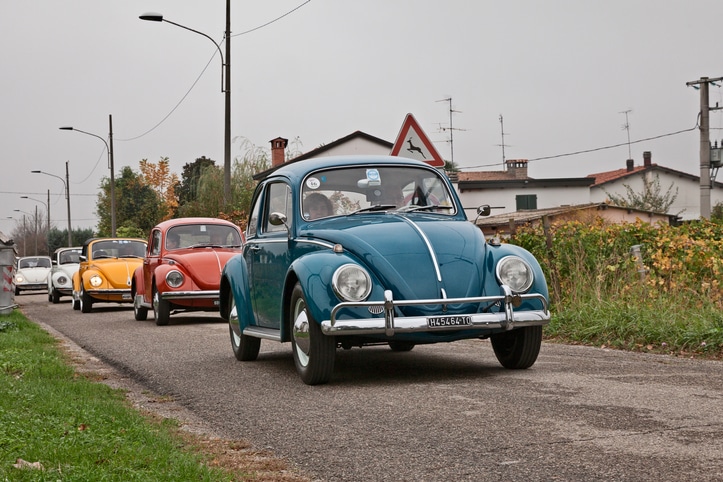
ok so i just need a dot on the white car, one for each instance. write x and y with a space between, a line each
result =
32 273
65 265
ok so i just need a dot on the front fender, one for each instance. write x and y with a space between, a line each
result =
496 252
314 273
235 283
139 283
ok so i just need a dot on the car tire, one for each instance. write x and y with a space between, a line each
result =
314 352
55 297
245 348
401 346
86 302
76 304
518 348
139 312
161 308
17 291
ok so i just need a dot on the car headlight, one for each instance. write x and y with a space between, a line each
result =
351 283
96 281
62 280
174 279
515 273
19 278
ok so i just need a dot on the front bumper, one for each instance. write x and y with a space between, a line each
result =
115 295
32 286
391 324
191 295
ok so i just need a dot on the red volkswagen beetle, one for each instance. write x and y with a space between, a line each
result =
182 267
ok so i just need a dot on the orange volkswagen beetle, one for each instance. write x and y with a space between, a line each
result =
182 267
105 271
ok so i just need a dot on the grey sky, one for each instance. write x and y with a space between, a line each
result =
559 72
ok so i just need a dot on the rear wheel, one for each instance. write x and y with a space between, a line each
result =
86 302
139 312
245 348
401 345
161 308
518 348
313 351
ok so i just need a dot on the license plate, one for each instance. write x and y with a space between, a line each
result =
216 302
441 321
126 296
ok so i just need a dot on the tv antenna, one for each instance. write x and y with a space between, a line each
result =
626 127
451 129
503 145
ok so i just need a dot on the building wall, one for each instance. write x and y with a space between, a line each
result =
356 146
506 199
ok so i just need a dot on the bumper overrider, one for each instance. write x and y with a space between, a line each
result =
391 324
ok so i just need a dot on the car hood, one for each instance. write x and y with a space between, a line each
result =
34 275
117 271
69 269
204 265
401 250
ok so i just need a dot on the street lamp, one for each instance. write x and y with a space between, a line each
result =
225 68
47 210
109 148
66 183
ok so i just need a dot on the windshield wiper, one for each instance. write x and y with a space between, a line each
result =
376 207
408 209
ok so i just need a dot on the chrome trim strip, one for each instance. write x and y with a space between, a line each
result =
261 332
426 241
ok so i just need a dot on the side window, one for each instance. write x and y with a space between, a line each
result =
254 218
156 243
279 201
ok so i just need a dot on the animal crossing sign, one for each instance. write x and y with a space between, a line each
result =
413 143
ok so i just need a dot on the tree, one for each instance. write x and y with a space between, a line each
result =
58 238
190 177
138 205
160 178
650 199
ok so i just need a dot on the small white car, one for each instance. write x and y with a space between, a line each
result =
65 265
32 273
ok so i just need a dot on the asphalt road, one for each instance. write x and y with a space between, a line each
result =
441 412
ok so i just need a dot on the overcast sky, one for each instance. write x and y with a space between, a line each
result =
560 73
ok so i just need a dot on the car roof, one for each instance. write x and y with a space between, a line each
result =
193 220
296 170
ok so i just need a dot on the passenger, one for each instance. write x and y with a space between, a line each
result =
316 206
173 241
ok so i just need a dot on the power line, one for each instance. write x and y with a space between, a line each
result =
557 156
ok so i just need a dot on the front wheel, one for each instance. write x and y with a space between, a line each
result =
140 313
161 308
518 348
245 348
55 296
86 302
313 351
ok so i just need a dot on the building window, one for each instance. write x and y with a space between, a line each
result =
526 201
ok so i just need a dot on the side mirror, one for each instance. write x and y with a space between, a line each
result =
484 210
83 257
277 219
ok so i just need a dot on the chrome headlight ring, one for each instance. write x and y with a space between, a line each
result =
174 278
515 272
351 283
95 281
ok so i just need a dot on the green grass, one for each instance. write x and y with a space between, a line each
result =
77 429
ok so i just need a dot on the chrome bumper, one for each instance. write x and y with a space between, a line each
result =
391 325
188 295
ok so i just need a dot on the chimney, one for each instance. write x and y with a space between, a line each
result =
647 158
630 164
517 168
278 155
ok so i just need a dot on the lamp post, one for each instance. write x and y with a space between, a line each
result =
225 69
109 148
47 210
66 184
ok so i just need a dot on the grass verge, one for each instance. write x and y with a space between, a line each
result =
58 425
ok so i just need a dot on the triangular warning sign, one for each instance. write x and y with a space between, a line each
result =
413 143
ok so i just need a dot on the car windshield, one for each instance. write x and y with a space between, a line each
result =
202 235
34 263
119 248
69 257
349 190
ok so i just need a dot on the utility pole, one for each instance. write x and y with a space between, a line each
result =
705 179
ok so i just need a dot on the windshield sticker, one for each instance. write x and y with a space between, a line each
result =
373 177
313 183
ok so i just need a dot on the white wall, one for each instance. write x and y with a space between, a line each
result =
547 197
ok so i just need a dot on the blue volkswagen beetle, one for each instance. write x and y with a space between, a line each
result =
367 250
